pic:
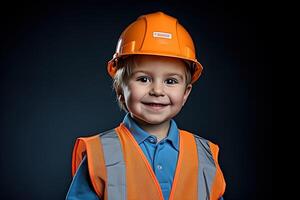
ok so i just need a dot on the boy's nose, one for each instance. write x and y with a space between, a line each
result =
157 90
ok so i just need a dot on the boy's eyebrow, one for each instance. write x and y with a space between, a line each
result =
140 71
175 74
168 74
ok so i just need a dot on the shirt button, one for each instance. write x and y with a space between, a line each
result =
159 167
152 140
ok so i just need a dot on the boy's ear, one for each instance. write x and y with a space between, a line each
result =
121 97
187 92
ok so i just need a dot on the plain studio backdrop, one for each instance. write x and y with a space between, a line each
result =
54 88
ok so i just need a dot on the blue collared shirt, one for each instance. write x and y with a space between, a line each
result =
162 155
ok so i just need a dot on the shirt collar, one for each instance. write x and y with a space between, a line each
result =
140 135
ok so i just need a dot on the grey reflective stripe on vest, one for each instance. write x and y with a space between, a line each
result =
115 165
206 168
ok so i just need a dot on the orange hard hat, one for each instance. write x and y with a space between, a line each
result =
156 34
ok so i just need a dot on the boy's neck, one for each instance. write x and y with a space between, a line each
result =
158 130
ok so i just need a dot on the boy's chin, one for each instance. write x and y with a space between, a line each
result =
152 120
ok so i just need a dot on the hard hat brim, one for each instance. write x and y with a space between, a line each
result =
112 69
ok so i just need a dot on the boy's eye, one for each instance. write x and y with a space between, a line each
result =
171 81
143 79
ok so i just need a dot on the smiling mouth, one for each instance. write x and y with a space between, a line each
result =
156 105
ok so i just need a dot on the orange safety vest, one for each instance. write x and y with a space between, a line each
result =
125 173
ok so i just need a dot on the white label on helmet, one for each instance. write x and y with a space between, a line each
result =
162 35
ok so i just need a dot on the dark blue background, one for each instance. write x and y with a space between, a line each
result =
54 88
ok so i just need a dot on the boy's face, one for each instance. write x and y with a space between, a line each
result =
156 89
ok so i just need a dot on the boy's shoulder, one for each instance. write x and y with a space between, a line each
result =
197 137
202 142
97 135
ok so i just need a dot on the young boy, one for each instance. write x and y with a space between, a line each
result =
147 157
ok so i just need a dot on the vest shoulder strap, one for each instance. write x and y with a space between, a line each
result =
213 183
92 148
219 184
